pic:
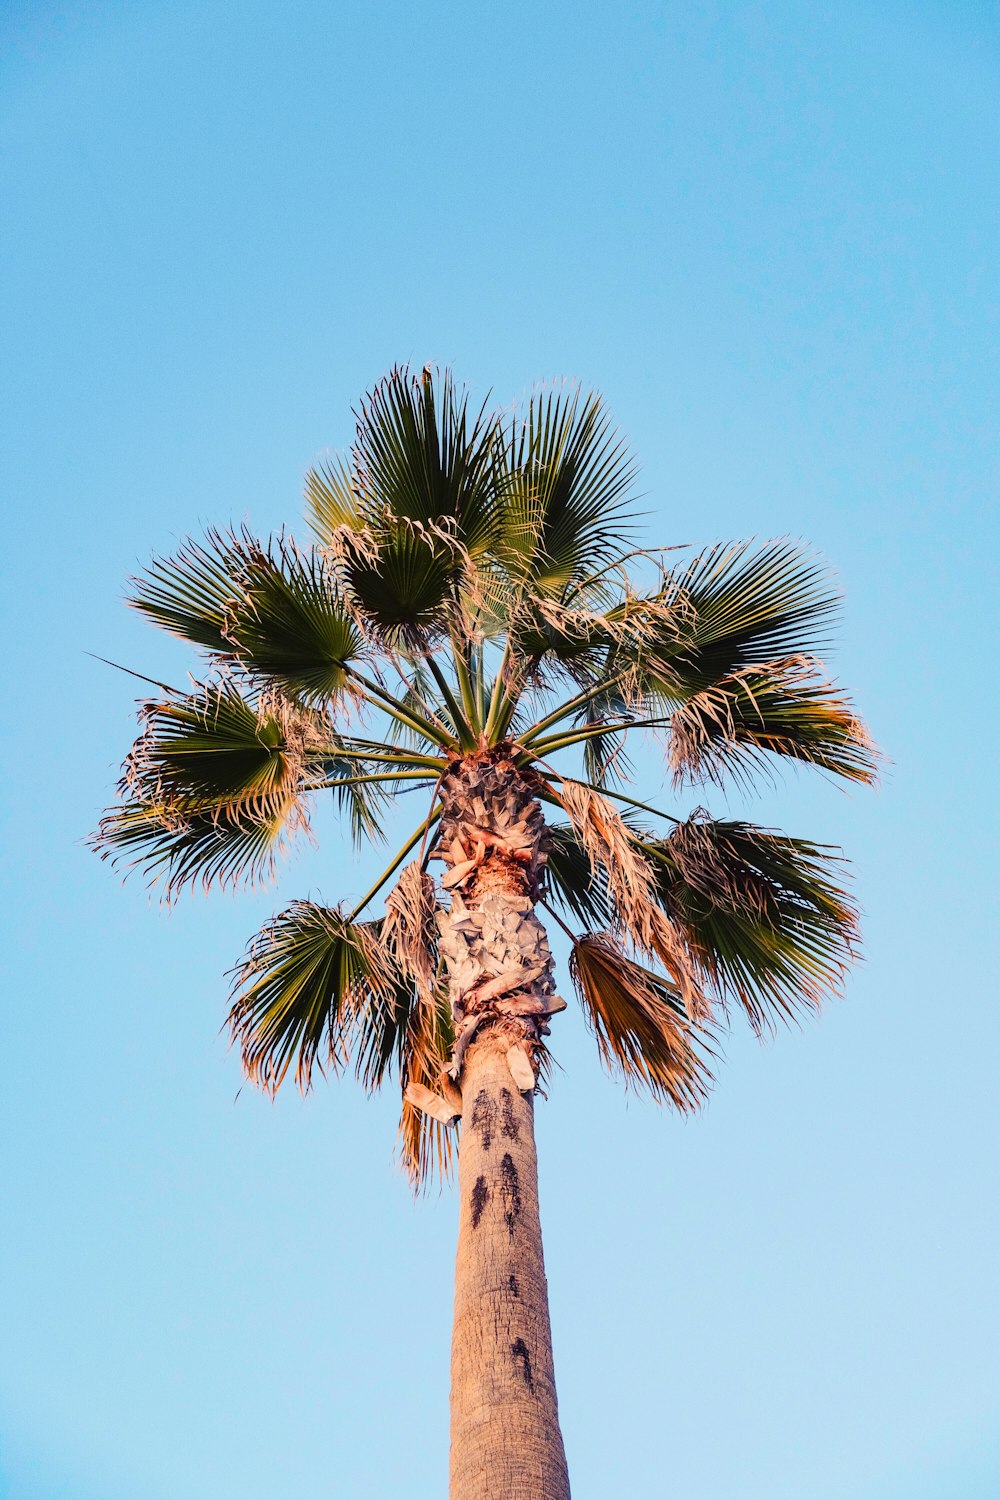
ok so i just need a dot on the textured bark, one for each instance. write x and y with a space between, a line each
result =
505 1438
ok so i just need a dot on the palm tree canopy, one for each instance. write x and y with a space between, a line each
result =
474 586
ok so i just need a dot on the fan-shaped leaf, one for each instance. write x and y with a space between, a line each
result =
737 606
331 502
192 593
640 1023
421 456
215 752
310 980
288 626
572 881
782 708
403 583
176 850
566 491
765 915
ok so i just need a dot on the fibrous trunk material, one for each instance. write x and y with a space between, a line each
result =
494 947
505 1438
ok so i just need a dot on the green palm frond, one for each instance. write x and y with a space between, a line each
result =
640 1023
782 708
289 625
273 610
214 752
766 916
318 991
211 791
310 980
402 582
192 593
175 850
365 804
569 474
730 608
421 456
737 605
554 643
332 505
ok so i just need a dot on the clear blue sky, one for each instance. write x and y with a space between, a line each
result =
768 232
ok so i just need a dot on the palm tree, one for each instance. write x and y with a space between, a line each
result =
475 621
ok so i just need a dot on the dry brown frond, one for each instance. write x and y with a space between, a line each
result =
631 887
424 1142
409 931
639 1032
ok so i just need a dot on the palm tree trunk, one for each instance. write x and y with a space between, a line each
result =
505 1438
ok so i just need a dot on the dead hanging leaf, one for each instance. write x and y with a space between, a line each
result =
641 1033
430 1103
631 888
409 931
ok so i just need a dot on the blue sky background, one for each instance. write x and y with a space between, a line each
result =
768 232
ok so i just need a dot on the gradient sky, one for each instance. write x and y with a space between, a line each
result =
768 232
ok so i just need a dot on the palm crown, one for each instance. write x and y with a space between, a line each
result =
473 606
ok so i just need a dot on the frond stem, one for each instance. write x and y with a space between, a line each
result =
322 786
390 705
578 736
397 861
617 796
572 703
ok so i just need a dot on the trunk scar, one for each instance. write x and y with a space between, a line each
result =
480 1196
484 1118
519 1349
510 1192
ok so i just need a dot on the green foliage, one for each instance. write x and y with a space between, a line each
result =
194 849
565 491
309 980
766 915
782 708
191 593
572 882
474 583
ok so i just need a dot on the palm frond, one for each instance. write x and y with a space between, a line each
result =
331 502
739 605
426 1145
310 980
616 859
569 474
422 456
410 931
782 708
175 850
192 593
572 881
640 1023
289 626
216 752
273 610
415 1037
212 789
402 581
765 915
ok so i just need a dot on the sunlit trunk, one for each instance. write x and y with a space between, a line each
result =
505 1438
